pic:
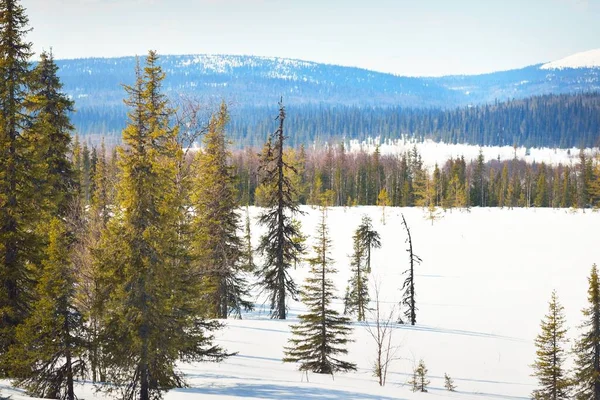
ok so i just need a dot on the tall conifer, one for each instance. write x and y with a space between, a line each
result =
152 314
18 244
218 247
587 348
278 245
549 364
49 350
322 332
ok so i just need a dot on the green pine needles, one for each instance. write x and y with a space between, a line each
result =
319 338
549 365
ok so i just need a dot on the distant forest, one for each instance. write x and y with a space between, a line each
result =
540 121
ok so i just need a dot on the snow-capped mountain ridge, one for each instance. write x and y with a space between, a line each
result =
585 59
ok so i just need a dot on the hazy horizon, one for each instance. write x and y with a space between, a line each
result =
426 38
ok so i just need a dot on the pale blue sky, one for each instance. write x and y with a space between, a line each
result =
406 37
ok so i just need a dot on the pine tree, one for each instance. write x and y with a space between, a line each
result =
549 364
217 246
369 239
277 245
419 381
357 299
449 383
49 350
50 135
321 334
18 243
152 314
587 348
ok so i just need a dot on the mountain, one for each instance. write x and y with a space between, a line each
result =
248 82
585 59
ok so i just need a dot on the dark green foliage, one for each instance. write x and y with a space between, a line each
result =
587 348
369 239
50 347
321 334
356 300
549 366
19 245
279 245
218 249
50 135
152 317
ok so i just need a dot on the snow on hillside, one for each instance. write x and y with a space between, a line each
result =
482 289
585 59
439 152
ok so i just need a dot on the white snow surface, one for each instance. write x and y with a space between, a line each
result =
482 289
439 152
585 59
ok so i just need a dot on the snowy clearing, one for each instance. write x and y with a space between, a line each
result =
482 289
438 152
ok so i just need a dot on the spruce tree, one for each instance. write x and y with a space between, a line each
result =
449 383
322 333
277 245
357 298
152 314
217 245
49 350
369 239
419 381
549 364
49 135
18 243
587 348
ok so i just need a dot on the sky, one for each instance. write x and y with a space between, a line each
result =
404 37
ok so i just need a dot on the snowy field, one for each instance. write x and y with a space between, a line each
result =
482 289
439 152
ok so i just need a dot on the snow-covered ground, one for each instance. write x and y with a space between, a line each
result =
584 59
439 152
482 290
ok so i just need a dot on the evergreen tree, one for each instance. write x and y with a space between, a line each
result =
217 246
419 381
449 383
369 239
50 135
152 314
549 364
49 350
587 348
18 243
321 334
357 298
277 245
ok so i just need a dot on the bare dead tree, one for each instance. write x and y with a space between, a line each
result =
381 329
408 298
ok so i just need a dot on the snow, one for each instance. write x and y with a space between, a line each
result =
439 152
482 289
585 59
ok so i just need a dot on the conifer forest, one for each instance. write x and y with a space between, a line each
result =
173 247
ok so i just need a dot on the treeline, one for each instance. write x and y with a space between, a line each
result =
361 178
540 121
